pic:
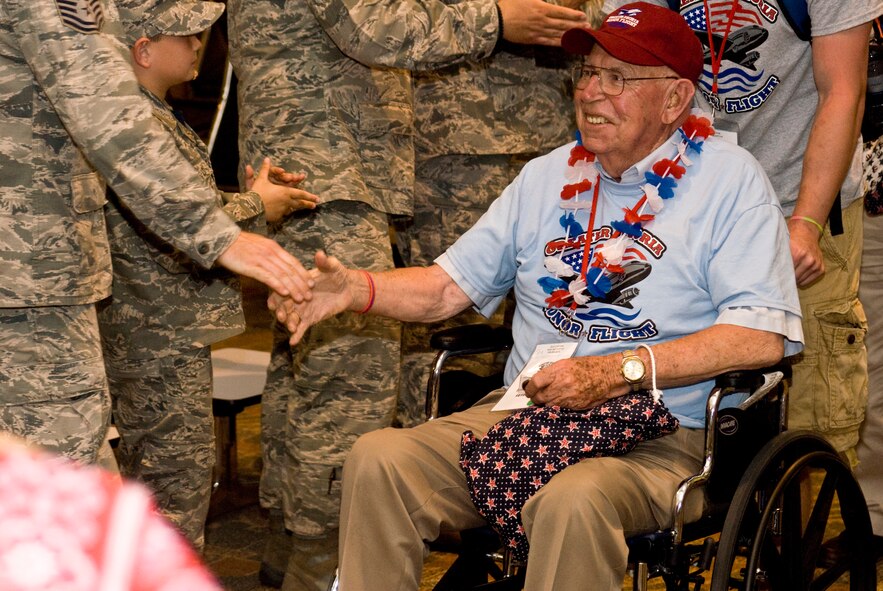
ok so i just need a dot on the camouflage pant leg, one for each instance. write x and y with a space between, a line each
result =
162 409
345 371
452 192
274 419
53 391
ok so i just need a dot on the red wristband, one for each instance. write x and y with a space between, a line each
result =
371 293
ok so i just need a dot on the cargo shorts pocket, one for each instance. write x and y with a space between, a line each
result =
834 377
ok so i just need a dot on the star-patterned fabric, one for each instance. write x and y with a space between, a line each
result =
525 450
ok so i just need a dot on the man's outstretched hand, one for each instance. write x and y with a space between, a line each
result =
332 293
262 259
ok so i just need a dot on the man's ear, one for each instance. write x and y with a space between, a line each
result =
141 52
680 98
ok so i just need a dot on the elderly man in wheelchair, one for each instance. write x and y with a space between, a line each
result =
646 259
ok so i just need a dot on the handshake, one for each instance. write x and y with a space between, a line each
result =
298 298
322 292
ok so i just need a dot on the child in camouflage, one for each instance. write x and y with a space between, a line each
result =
166 311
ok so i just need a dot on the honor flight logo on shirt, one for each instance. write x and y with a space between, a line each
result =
731 80
599 315
594 270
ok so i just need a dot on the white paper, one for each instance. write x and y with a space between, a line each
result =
542 356
727 136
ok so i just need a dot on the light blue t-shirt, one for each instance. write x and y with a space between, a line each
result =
718 249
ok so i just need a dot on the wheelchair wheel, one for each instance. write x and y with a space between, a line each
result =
773 539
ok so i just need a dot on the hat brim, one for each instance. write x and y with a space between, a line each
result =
581 41
189 18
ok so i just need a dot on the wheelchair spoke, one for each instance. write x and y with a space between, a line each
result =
818 520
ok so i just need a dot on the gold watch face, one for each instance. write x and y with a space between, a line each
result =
633 369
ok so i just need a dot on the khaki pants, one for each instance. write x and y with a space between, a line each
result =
830 381
402 487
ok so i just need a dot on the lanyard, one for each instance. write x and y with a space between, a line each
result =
587 247
716 59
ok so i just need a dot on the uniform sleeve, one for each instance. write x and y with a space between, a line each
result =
410 34
90 85
247 210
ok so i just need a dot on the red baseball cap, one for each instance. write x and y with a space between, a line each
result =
645 35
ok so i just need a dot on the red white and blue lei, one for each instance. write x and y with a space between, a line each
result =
602 262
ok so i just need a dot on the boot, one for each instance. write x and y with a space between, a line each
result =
312 564
276 552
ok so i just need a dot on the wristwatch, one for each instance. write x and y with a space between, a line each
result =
632 369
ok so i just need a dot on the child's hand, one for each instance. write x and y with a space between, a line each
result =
278 175
278 190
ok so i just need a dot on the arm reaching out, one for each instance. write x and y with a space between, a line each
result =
537 22
414 294
262 259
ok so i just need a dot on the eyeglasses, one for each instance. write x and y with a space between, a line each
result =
611 82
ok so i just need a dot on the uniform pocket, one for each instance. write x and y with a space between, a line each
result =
87 192
387 145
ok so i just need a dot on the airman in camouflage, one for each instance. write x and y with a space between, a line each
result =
165 311
69 110
323 83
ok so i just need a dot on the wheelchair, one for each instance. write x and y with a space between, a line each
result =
773 497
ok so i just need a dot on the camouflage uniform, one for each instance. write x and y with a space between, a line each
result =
323 88
477 123
156 330
60 78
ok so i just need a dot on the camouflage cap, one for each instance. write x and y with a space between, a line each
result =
177 18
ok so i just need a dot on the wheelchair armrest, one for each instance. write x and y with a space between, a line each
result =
748 379
471 339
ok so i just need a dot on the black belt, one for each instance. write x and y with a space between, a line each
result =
835 218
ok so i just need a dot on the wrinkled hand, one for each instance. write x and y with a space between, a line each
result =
331 295
262 259
806 253
278 190
577 383
536 22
